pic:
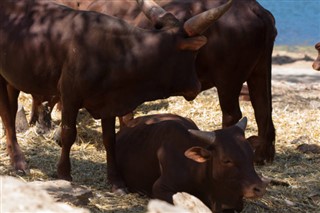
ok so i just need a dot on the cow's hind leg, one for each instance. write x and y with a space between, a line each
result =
8 109
259 85
109 139
68 136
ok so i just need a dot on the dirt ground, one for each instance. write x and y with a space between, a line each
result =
294 175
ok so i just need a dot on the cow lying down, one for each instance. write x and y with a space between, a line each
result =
160 155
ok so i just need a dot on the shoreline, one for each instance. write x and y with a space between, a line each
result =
291 55
294 64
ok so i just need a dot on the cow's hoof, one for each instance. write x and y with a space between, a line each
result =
21 168
19 164
24 172
262 160
263 151
42 130
119 191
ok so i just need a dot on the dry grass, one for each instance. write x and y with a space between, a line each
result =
296 176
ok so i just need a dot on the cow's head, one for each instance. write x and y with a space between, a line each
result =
316 63
229 159
188 40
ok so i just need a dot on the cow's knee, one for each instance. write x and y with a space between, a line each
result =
160 192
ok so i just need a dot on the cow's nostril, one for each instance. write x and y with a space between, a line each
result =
258 191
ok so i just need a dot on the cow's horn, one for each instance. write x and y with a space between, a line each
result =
200 23
242 124
153 11
208 137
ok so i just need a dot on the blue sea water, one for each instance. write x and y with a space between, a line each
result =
297 21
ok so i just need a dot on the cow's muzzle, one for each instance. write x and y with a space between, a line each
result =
256 190
316 65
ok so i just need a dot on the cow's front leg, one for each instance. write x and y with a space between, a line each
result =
162 191
229 103
261 98
68 136
109 140
8 109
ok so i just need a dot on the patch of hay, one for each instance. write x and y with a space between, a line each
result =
295 177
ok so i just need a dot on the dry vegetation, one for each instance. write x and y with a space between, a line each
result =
295 185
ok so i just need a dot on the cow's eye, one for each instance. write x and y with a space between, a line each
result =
227 162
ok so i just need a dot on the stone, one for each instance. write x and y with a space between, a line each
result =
187 201
65 191
19 196
183 203
22 124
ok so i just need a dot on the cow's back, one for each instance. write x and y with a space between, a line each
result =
139 144
236 44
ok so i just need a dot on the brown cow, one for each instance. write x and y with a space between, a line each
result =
160 155
93 61
42 105
240 52
316 63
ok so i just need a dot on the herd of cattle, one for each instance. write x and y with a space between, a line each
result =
111 56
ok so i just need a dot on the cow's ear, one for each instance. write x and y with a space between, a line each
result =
192 43
198 154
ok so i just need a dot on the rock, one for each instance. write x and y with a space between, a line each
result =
22 124
65 191
57 135
159 206
18 196
187 201
309 148
183 203
43 123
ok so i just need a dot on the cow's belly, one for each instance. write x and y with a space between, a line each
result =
106 105
29 82
30 71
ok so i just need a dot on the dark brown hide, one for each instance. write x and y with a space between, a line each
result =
239 50
89 60
159 155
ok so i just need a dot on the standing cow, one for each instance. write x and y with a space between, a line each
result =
239 49
160 155
93 61
316 63
42 106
